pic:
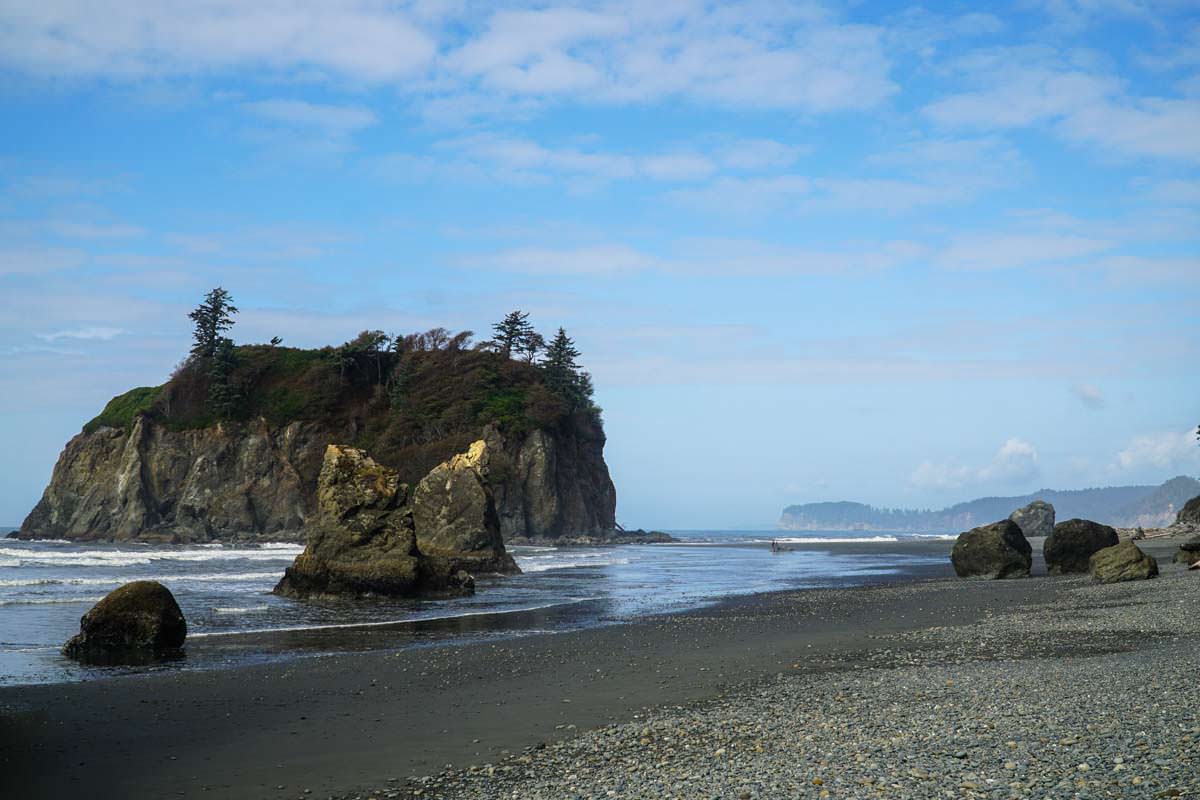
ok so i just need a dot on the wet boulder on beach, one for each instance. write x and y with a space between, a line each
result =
137 623
1122 562
1074 542
993 551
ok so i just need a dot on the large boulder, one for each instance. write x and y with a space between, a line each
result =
363 542
1188 552
1073 543
1122 562
993 551
454 513
137 623
1035 519
1190 513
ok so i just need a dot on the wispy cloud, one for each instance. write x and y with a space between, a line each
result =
96 332
1014 464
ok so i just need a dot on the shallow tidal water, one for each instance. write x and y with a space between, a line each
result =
225 593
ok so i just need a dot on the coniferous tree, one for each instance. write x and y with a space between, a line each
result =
513 332
561 370
531 345
212 317
223 396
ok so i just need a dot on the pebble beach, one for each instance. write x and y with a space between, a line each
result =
1087 697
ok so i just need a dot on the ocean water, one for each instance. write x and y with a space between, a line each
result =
225 593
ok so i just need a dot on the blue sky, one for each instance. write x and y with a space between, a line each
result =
901 254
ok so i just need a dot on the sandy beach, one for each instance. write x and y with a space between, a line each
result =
789 671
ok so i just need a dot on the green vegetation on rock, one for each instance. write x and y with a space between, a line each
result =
411 400
122 409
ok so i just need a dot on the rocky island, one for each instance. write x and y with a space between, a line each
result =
231 446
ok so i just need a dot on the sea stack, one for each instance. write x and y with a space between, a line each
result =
364 540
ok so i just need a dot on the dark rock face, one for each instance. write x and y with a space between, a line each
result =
1035 519
993 551
1073 543
364 539
1190 513
1188 552
256 481
137 623
1122 562
552 484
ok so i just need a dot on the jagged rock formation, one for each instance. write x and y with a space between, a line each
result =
993 551
1190 513
1122 562
253 480
454 511
1072 544
137 623
364 541
1035 519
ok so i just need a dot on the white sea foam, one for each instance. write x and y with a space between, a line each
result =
25 557
567 559
46 601
241 609
116 580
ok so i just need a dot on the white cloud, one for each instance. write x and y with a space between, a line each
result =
755 53
516 159
1021 86
97 332
93 230
360 40
1018 249
336 120
605 260
38 260
1088 394
1014 464
1166 450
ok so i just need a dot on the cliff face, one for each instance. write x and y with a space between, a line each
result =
254 480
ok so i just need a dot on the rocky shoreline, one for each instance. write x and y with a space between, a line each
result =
1080 698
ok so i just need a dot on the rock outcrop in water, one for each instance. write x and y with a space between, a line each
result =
993 551
154 466
1035 519
137 623
364 541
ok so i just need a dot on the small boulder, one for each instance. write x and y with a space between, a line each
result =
1035 519
993 551
137 623
1122 562
1073 543
1188 552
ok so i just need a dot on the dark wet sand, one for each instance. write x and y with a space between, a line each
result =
337 723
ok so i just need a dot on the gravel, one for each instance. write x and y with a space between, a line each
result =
1091 696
